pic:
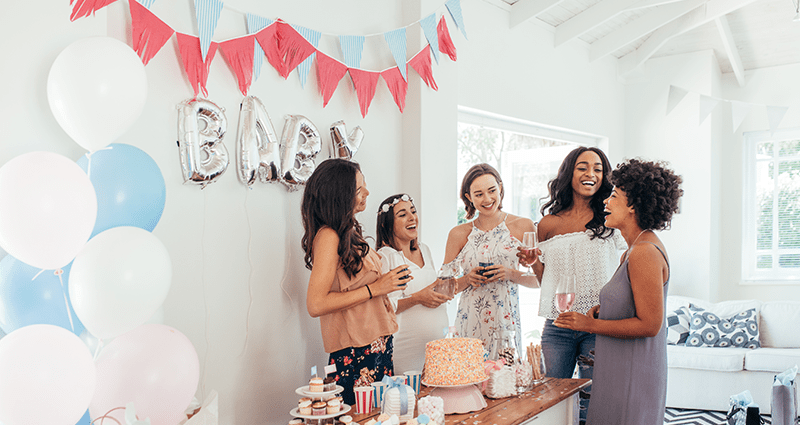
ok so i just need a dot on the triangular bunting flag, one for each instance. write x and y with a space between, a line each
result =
446 45
397 44
352 46
775 115
196 69
676 94
238 52
454 7
293 48
146 3
255 24
329 73
707 105
365 83
428 25
207 13
268 40
149 33
421 62
313 37
397 86
83 8
739 111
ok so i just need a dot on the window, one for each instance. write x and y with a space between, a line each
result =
527 156
771 210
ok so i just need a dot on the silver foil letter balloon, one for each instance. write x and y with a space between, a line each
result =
344 146
257 147
201 127
300 143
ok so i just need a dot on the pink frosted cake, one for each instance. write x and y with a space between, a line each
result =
453 361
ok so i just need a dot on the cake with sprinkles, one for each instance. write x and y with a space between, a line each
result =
453 361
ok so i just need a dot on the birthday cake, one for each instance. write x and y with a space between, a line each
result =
453 361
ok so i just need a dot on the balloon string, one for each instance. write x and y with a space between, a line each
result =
58 273
288 254
97 349
203 280
250 263
89 159
103 418
37 275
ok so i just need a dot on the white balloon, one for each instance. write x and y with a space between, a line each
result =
119 280
47 376
48 207
97 89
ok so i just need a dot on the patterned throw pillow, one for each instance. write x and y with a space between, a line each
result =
678 326
709 330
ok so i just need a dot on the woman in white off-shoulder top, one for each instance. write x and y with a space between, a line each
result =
573 241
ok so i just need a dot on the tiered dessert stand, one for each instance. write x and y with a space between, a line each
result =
459 398
325 395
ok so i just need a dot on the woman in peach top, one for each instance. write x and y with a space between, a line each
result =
346 289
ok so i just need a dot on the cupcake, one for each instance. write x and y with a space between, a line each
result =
319 408
346 420
333 406
296 422
315 385
304 406
328 384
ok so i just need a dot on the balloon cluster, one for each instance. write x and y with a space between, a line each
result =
259 153
82 260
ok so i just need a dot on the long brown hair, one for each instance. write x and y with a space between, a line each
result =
385 223
329 200
474 172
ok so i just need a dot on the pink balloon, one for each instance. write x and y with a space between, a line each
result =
155 367
48 207
46 376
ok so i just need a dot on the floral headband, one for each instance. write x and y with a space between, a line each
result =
385 207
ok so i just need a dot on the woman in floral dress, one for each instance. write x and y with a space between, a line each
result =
488 308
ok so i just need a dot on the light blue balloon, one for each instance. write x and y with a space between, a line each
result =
129 185
26 301
86 419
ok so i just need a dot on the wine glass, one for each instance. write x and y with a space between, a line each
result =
529 242
565 293
397 259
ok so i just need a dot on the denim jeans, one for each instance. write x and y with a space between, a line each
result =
563 349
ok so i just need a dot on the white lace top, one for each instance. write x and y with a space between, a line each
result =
592 261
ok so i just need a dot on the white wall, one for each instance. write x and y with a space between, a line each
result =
238 289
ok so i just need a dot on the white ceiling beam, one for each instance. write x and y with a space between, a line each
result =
730 48
713 9
523 10
640 27
644 4
590 18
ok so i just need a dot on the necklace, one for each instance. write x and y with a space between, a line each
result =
634 241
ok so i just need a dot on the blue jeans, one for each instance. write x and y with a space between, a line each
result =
563 349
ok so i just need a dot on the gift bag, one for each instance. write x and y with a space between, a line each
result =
784 398
737 413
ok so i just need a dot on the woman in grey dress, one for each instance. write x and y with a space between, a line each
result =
630 371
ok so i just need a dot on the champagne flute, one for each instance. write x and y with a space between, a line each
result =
397 259
529 242
565 293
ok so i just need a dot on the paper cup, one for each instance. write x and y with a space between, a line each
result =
363 399
413 379
377 397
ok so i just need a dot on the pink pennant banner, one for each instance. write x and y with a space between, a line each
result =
421 62
192 58
329 73
446 45
149 33
365 83
398 86
267 38
238 52
83 8
293 48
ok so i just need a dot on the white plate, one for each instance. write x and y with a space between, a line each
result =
453 386
304 391
296 413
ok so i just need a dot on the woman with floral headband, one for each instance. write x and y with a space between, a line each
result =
422 315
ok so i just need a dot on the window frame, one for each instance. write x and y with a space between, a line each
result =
750 274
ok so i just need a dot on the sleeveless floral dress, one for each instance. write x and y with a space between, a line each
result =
489 312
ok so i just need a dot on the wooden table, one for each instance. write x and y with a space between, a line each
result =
555 401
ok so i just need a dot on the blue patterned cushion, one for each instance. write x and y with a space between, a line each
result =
678 326
709 330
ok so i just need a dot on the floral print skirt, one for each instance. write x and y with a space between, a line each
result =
361 366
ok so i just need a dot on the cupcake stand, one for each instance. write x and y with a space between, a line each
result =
459 398
325 395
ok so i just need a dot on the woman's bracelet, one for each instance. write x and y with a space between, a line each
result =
369 290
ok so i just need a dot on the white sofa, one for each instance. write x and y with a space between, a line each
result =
705 377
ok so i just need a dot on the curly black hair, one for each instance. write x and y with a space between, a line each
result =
653 190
